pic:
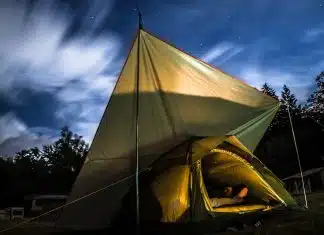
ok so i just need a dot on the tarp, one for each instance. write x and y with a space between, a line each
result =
179 97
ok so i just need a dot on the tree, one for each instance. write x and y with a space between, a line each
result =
272 93
69 151
277 144
65 158
288 100
287 97
315 103
50 170
281 120
269 91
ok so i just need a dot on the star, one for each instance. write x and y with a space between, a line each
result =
201 44
321 5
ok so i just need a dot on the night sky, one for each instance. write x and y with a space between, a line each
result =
59 60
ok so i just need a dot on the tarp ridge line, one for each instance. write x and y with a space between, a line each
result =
207 64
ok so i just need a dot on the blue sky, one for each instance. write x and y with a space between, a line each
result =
60 59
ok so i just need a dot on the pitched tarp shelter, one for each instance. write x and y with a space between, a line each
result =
184 110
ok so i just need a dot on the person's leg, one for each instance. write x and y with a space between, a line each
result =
217 202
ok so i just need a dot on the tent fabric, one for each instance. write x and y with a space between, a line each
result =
228 168
251 133
164 196
201 192
235 146
275 183
180 97
242 208
172 192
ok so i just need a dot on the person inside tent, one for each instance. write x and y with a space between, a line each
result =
240 191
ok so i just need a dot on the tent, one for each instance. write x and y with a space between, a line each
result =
168 112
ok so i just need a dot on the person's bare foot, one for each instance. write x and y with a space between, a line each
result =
243 193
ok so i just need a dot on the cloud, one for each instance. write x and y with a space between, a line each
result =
15 135
87 130
222 52
36 54
15 144
87 88
256 76
11 127
313 34
181 12
256 65
96 14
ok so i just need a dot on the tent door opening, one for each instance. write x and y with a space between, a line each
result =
221 170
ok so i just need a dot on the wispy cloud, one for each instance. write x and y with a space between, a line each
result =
313 34
87 129
15 135
256 65
80 114
256 76
11 146
11 126
221 52
36 54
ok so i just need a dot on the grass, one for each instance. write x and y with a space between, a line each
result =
307 222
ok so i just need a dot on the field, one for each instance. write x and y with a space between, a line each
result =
307 222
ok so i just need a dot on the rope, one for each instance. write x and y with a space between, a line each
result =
72 202
321 125
298 158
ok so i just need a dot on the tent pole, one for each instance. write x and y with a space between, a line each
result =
137 120
189 161
298 158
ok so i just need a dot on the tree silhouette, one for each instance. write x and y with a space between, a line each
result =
315 103
275 123
269 91
288 100
50 170
277 145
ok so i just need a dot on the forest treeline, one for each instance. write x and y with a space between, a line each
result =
54 167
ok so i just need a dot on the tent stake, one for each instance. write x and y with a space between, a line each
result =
137 124
298 158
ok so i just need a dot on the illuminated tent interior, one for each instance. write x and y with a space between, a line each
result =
194 123
229 165
177 189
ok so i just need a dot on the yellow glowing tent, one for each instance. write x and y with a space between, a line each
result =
186 110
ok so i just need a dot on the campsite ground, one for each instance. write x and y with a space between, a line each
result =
304 222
